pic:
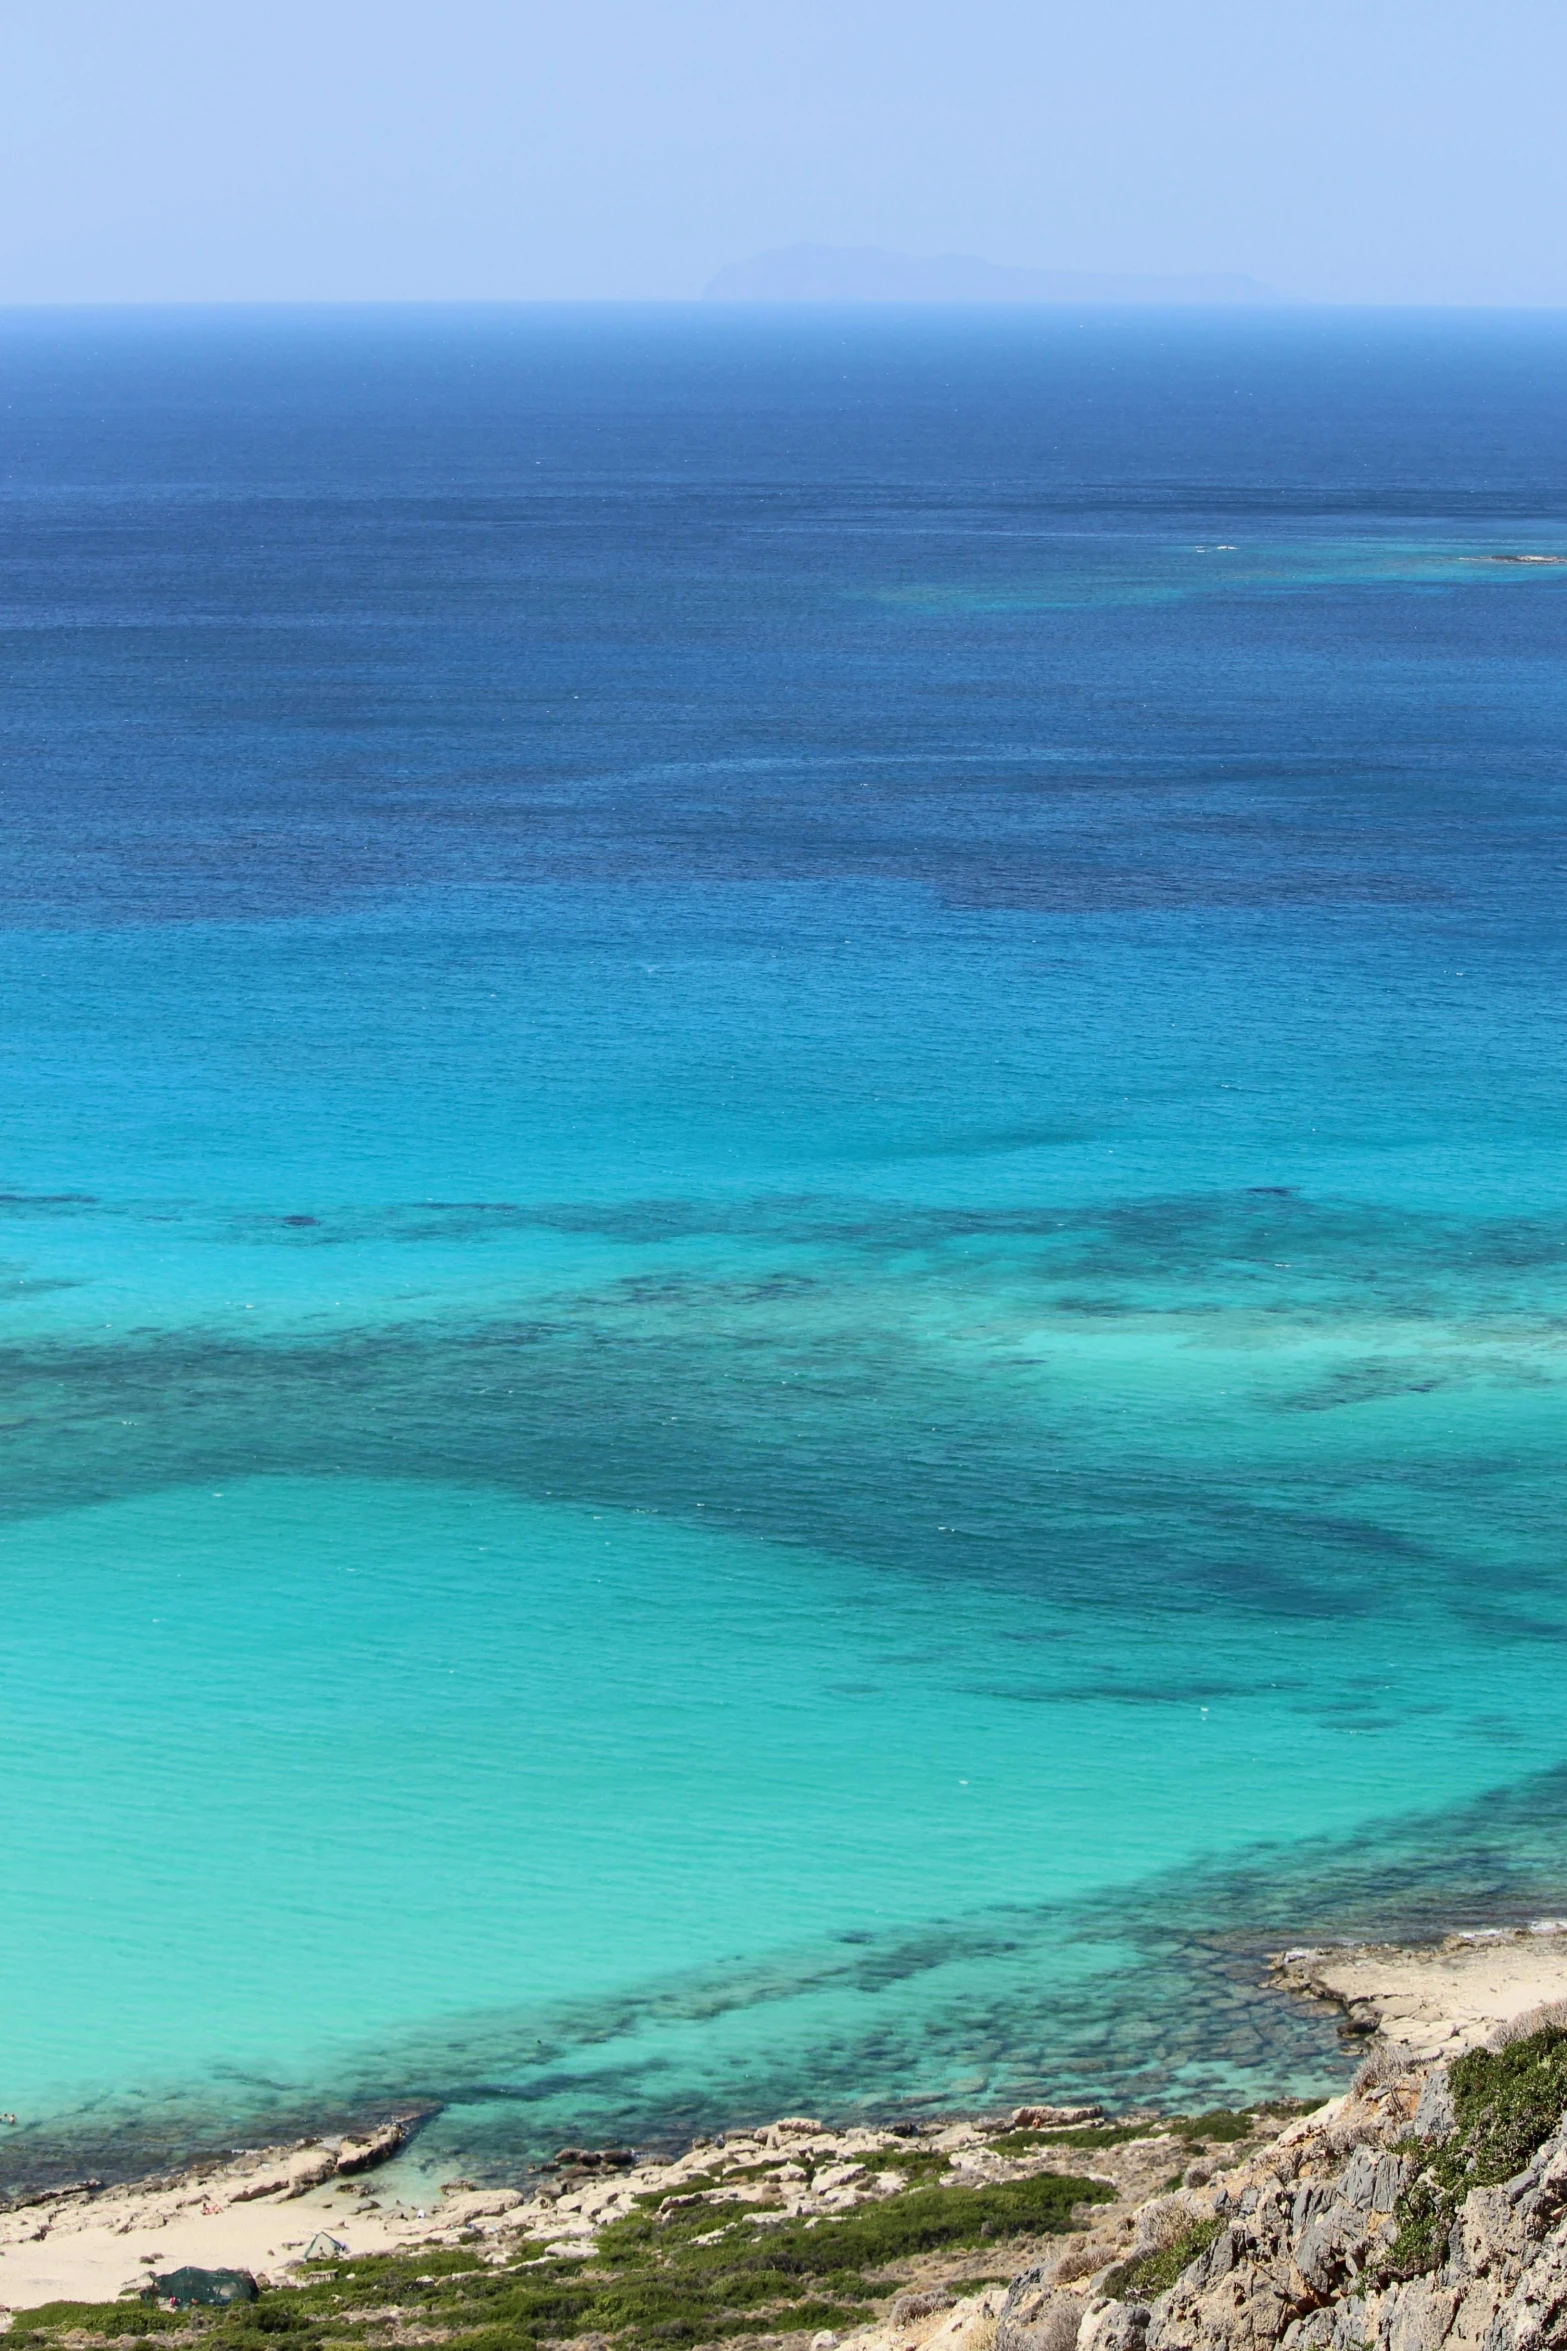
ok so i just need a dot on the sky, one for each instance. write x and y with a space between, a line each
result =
1403 151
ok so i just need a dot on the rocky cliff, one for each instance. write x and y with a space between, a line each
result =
1426 2208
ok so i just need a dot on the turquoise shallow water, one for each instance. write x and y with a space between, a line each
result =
783 1249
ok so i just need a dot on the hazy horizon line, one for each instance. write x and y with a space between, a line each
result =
869 307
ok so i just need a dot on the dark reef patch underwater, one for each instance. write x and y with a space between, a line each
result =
783 1249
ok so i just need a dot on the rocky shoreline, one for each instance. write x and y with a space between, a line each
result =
1426 2207
1434 2000
1075 2179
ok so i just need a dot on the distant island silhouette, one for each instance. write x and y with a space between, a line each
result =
867 273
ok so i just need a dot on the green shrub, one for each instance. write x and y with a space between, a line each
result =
920 2221
1424 2215
1506 2103
1154 2273
1089 2134
1222 2126
915 2163
102 2318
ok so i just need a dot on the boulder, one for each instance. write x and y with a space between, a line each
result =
377 2146
920 2304
178 2289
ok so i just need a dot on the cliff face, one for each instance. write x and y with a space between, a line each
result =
1378 2224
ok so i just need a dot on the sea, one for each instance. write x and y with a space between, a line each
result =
784 1233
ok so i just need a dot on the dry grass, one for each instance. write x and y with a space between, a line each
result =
1549 2014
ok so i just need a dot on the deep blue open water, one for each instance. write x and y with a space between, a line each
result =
784 1242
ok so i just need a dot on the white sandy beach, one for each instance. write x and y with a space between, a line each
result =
258 2212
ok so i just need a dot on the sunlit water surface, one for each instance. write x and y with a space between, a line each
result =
784 1236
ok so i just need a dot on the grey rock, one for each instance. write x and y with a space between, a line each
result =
1417 2316
1434 2116
1124 2327
1393 2175
1246 2311
1035 2316
1535 2313
1054 2118
1306 2201
1314 2332
1350 2330
1329 2249
1488 2237
1358 2183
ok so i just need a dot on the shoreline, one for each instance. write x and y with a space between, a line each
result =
280 2214
262 2210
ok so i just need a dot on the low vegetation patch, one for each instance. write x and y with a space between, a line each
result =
1154 2273
1088 2134
704 2272
1221 2126
114 2320
915 2163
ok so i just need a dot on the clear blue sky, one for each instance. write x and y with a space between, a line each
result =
1341 150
